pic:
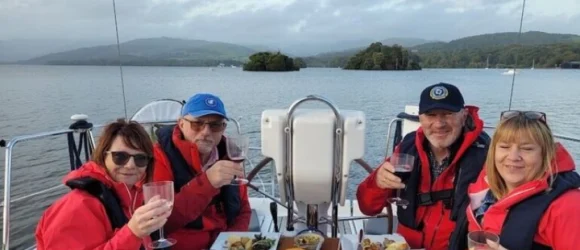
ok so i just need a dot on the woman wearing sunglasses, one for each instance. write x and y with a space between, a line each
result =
105 208
528 192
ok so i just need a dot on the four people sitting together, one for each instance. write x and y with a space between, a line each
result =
519 184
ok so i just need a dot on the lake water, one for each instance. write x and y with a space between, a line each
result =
42 98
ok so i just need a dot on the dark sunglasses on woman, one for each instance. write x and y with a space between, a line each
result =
121 158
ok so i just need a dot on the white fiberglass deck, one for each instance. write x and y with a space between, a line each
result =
262 207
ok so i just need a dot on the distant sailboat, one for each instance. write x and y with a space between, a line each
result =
487 64
510 72
533 64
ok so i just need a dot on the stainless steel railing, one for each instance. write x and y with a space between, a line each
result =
14 141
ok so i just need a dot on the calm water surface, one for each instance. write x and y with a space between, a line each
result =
41 98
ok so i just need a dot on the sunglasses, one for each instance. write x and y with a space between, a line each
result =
531 115
121 158
216 126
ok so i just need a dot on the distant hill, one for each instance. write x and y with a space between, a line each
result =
25 49
475 46
499 39
151 51
313 48
405 41
340 58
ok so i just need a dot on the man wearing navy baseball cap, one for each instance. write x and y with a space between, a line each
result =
193 153
449 151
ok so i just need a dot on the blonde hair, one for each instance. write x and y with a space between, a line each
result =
512 130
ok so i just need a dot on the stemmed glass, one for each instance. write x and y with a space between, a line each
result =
237 151
403 164
482 240
163 189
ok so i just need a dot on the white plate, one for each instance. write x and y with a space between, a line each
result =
350 241
220 242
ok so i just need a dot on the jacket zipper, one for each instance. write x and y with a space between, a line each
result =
442 206
437 226
475 219
133 200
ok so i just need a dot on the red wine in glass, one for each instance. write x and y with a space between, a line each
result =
237 146
403 175
238 160
403 164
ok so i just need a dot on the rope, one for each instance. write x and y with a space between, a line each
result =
517 52
119 54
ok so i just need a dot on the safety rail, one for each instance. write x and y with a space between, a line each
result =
253 173
85 135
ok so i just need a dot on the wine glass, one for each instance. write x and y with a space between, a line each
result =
403 164
237 151
163 189
482 240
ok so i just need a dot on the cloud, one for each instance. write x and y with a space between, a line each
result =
280 23
396 5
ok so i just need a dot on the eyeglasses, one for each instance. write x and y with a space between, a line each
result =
532 115
215 126
121 158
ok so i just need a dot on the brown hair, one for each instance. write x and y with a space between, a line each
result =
512 130
134 136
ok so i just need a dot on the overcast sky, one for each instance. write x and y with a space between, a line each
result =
281 21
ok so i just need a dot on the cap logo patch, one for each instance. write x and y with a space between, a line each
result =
438 93
210 102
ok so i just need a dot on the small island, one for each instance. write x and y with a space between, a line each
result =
267 61
381 57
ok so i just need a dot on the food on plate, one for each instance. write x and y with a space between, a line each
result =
393 245
387 244
367 244
239 243
308 241
259 242
398 246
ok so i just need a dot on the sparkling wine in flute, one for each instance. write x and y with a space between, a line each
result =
165 191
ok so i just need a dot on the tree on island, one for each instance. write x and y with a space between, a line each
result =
381 57
300 63
267 61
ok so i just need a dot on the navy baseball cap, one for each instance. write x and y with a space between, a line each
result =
204 104
441 96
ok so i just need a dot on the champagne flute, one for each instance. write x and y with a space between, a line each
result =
403 164
163 189
482 240
237 151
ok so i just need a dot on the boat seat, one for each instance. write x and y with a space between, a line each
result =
254 222
161 111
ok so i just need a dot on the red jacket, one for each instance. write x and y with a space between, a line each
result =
213 222
559 228
437 225
78 220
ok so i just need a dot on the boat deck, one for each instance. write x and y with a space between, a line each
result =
262 208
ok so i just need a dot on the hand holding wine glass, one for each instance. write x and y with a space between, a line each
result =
403 165
163 190
149 217
237 150
222 172
386 179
